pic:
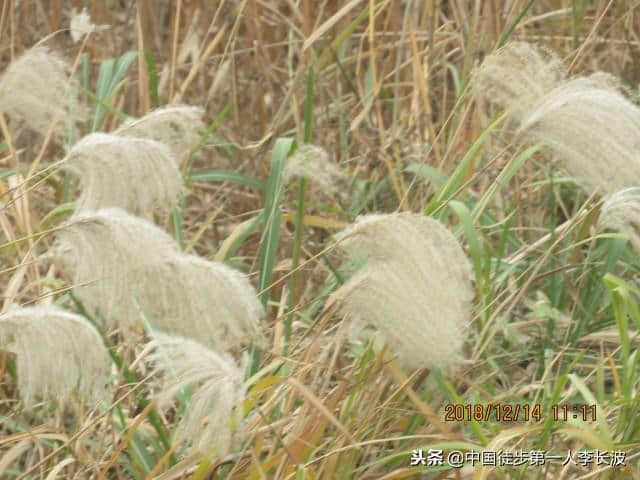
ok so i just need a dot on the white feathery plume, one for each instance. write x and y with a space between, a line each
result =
214 414
106 250
35 89
414 289
136 174
313 162
585 121
516 76
58 353
590 125
126 269
197 298
180 127
621 211
80 25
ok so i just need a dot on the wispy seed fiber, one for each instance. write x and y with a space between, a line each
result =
58 353
414 289
214 413
313 162
180 127
36 89
621 211
106 250
136 174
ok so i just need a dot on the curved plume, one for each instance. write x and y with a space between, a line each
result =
414 289
126 270
179 127
214 413
106 250
621 211
58 353
136 174
585 121
200 299
590 125
516 76
36 89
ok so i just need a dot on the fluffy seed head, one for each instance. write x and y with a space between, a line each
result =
106 250
313 163
80 25
414 289
136 174
179 127
516 76
214 413
590 125
200 299
36 89
621 211
58 353
126 269
585 121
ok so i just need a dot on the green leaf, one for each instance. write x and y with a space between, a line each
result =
152 71
110 76
271 233
457 179
225 176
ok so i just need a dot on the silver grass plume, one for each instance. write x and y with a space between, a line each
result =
585 121
214 413
313 162
58 353
35 89
137 174
590 125
127 270
516 76
414 288
196 298
106 251
621 211
80 25
180 127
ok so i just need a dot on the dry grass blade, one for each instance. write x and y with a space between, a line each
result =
58 353
214 413
36 90
415 288
136 174
180 127
621 211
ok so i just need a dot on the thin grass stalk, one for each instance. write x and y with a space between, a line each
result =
130 377
299 226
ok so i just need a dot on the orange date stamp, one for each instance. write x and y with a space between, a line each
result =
506 412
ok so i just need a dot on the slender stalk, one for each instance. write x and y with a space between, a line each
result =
130 377
302 193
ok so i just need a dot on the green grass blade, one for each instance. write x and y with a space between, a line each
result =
226 176
457 179
271 234
503 179
110 76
